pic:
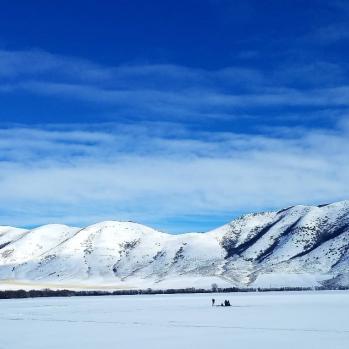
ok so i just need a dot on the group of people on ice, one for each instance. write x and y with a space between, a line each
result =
226 303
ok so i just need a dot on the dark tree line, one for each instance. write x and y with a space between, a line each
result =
69 293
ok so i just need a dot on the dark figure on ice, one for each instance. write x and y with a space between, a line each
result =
227 303
213 301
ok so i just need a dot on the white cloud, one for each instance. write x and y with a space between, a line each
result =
161 171
145 175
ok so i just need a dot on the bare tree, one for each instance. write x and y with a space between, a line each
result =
214 287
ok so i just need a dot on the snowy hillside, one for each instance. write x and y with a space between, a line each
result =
297 246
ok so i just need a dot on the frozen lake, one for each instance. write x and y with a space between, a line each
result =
255 320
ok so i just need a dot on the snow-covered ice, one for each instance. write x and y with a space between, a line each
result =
255 320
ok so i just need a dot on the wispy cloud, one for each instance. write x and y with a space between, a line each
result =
170 92
161 166
335 29
38 63
133 172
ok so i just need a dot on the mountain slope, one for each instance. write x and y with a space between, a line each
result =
297 246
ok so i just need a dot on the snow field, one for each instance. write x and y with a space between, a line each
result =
256 320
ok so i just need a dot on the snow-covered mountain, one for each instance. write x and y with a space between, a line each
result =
297 246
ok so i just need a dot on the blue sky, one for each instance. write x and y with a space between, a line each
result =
177 114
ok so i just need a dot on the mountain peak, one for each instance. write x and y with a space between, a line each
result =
286 247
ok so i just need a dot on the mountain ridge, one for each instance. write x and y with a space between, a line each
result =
296 246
